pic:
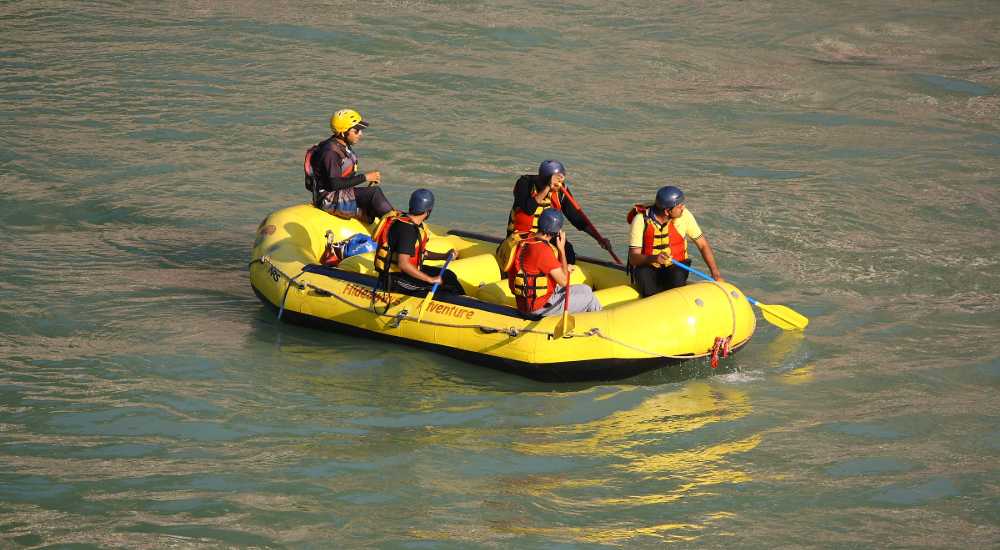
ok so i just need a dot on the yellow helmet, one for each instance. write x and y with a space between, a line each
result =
345 119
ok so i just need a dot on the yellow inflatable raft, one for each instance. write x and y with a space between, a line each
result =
629 336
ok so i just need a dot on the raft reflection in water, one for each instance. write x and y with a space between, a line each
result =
664 441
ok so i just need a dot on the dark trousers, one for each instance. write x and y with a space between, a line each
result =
570 252
649 280
371 202
449 282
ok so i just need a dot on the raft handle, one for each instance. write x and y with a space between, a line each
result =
397 318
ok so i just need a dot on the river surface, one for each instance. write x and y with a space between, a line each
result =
842 157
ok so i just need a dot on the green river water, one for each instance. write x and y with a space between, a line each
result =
843 159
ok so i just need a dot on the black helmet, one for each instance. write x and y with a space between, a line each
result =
421 200
550 221
669 197
550 167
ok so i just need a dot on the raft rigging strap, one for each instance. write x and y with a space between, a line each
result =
722 343
403 315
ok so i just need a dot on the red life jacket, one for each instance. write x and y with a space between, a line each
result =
529 284
386 259
307 167
657 238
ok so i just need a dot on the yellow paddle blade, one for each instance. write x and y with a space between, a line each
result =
783 317
565 325
423 306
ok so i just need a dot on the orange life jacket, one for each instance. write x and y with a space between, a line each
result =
657 238
387 259
522 221
529 284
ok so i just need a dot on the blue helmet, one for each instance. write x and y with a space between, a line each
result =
550 221
669 197
550 167
421 200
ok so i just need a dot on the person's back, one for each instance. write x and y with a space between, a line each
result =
528 276
538 274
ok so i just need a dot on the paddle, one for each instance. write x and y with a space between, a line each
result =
780 316
567 323
588 222
427 299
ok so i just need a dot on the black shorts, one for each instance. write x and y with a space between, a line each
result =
649 280
449 282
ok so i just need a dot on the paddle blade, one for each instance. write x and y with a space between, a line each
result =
783 317
565 325
423 306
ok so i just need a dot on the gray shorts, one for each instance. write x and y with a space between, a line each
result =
581 299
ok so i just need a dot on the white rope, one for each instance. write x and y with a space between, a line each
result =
403 315
597 332
732 306
511 331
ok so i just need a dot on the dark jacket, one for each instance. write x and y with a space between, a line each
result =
525 186
335 166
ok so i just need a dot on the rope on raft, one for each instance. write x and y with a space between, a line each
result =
513 332
394 319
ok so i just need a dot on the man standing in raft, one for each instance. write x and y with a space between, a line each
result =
533 194
536 268
332 172
402 249
657 235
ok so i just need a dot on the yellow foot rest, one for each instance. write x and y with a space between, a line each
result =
616 295
497 293
360 263
472 272
475 272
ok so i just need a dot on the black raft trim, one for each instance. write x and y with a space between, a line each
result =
498 240
440 296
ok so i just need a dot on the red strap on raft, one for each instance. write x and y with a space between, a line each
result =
720 347
332 252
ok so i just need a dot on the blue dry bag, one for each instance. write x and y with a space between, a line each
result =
358 244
